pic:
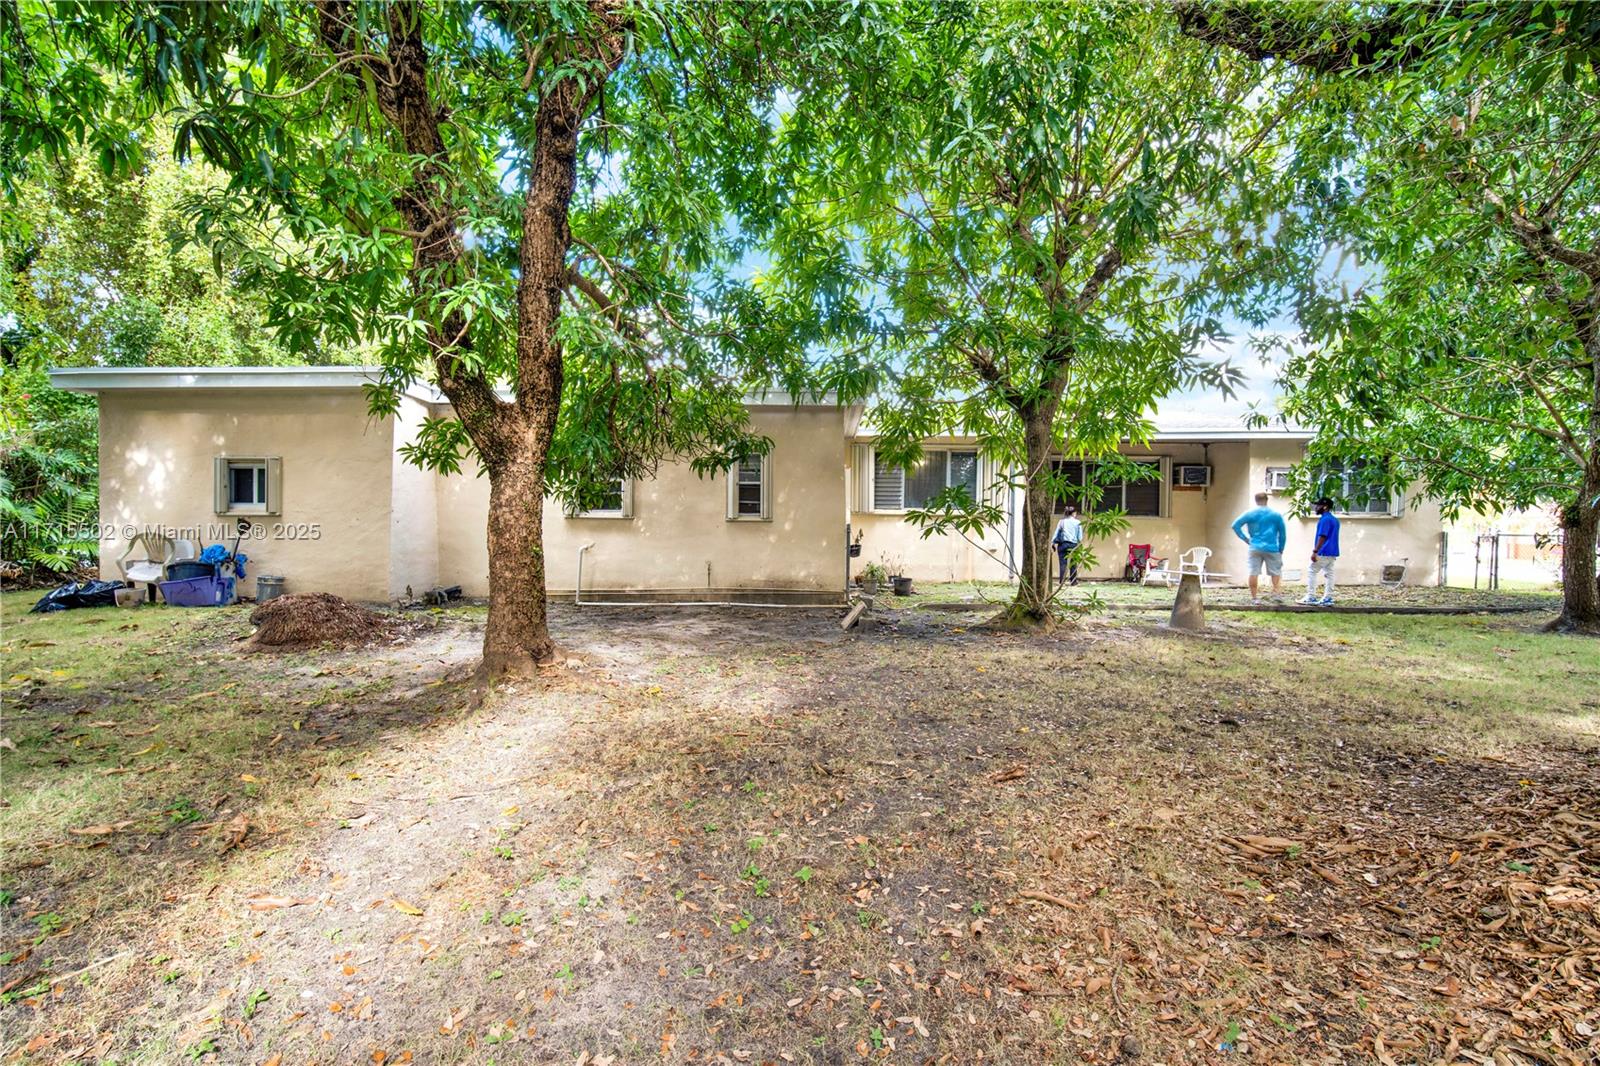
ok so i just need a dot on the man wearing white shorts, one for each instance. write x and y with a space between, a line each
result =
1266 532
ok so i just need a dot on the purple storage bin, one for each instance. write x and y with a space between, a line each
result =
198 592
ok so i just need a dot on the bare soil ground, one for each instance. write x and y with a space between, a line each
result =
744 836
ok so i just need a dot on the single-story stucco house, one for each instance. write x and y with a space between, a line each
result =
336 507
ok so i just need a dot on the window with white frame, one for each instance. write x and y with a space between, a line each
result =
1356 486
247 485
1139 498
897 489
749 489
616 501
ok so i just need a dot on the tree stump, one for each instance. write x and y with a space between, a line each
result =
1188 611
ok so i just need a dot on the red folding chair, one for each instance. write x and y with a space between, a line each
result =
1138 563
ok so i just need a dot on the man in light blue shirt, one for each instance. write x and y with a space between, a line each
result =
1068 535
1267 535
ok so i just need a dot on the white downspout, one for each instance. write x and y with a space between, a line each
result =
577 592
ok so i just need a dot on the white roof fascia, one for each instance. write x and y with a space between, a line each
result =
1228 436
93 379
784 398
1176 436
130 378
107 378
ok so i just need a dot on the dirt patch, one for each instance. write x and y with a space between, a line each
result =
316 619
732 835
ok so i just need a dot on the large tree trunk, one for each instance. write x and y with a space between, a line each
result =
1034 581
1580 595
517 638
512 439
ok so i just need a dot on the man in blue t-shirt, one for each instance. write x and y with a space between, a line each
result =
1267 535
1324 553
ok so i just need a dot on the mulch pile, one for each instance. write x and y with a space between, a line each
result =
313 619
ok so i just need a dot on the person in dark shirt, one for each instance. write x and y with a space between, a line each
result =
1324 554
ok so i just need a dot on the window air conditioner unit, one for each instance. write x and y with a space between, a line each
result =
1191 475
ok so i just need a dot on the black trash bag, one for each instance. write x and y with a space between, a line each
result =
79 594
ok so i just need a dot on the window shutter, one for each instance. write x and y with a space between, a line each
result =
861 477
274 487
627 497
888 486
219 468
766 488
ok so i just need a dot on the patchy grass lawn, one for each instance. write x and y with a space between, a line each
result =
1120 594
745 836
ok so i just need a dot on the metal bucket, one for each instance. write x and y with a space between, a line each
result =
268 587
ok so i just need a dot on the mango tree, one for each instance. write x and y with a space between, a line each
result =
1452 153
535 206
1045 205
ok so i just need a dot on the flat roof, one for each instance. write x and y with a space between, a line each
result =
154 378
1172 427
1165 433
107 378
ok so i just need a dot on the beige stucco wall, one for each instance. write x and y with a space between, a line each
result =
954 558
359 521
1366 542
413 511
1182 526
898 545
156 469
1193 518
891 541
679 536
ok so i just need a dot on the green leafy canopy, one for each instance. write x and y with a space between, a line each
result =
662 327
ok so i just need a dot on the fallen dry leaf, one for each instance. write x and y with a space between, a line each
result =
233 833
272 903
405 908
101 830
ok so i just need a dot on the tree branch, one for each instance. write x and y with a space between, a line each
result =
608 307
1266 32
1538 239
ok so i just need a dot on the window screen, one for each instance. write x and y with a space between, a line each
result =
247 484
1358 487
1143 499
747 503
894 489
612 500
964 472
1070 473
927 479
1139 499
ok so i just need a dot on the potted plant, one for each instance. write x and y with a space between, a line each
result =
872 575
895 566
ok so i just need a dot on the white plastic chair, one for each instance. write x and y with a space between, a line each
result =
1193 562
160 552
